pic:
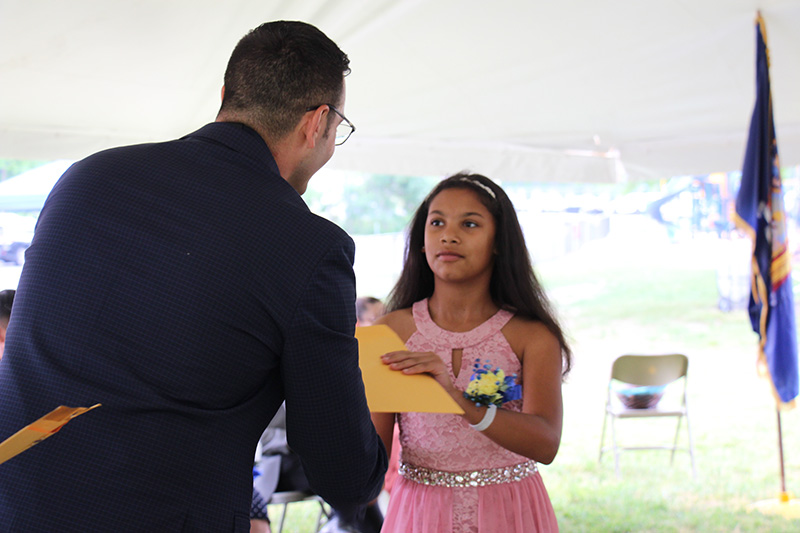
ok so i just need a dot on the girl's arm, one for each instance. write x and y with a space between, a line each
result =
536 431
384 425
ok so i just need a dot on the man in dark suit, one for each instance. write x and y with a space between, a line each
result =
187 288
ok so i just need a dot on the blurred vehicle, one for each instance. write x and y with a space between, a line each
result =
16 234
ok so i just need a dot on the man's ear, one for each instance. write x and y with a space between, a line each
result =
222 93
314 124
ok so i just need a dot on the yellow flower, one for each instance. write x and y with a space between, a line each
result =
485 384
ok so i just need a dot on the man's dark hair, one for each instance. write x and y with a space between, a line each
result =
277 71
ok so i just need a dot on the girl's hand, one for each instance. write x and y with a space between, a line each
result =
420 363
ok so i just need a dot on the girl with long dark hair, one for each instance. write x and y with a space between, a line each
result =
473 315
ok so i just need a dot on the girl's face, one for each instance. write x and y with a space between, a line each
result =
459 236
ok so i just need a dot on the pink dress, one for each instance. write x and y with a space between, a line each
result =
443 458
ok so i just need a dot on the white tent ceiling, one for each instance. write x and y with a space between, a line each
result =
574 90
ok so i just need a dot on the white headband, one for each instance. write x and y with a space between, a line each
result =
477 183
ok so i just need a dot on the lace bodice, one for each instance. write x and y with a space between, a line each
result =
445 441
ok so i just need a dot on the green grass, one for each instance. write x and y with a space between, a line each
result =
638 293
301 517
615 298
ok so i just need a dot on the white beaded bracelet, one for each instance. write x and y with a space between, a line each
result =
487 420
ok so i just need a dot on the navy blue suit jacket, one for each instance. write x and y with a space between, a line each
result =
187 288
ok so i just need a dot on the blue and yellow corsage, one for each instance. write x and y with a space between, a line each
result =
488 386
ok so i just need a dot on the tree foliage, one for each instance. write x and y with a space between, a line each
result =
380 203
11 167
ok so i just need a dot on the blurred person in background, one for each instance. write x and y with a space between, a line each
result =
368 310
6 301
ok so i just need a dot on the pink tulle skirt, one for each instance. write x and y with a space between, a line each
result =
521 506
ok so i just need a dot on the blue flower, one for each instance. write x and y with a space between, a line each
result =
491 386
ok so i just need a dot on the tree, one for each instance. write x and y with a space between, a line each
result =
380 203
11 167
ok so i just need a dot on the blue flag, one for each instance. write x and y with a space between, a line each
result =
761 214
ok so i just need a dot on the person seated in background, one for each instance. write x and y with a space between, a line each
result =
368 310
279 469
6 301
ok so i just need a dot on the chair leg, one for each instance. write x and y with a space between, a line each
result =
323 511
319 519
675 441
691 446
603 437
614 444
283 517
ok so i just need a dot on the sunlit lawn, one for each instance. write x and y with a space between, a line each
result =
648 295
636 292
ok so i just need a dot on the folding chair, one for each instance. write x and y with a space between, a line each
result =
634 391
287 497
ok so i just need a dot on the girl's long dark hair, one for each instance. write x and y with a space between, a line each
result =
513 285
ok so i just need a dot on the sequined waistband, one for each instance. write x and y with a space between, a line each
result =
470 478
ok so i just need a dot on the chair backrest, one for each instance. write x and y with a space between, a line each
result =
650 369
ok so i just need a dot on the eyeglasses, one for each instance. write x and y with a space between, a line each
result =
345 128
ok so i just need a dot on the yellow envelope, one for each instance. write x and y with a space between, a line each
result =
36 432
390 391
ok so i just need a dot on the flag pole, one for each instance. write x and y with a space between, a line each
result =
760 213
785 504
784 495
